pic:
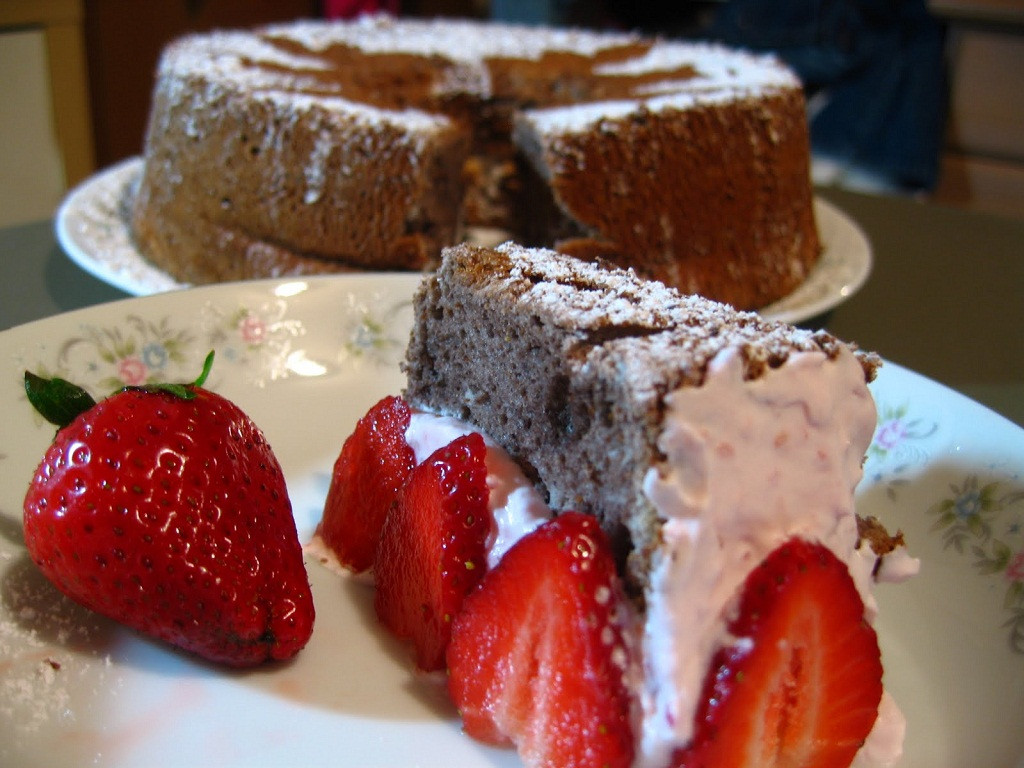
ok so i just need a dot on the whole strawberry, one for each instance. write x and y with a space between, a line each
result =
165 509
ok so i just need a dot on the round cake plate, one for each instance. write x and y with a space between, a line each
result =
92 226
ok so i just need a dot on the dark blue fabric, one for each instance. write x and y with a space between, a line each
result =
876 66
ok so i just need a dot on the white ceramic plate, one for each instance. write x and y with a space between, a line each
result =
92 227
306 358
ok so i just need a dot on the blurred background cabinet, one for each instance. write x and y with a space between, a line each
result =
76 82
46 141
983 162
124 39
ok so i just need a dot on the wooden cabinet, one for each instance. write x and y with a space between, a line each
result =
124 39
58 25
983 162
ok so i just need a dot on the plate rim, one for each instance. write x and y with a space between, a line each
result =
79 244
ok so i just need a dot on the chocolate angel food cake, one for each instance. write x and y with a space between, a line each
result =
333 146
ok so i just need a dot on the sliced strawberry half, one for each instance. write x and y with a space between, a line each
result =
432 547
802 686
538 655
373 465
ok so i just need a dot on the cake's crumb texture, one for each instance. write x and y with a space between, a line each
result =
874 533
566 364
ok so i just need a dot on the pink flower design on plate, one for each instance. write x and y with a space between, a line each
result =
132 371
1015 570
891 433
252 329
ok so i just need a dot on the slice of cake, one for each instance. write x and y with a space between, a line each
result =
719 453
596 376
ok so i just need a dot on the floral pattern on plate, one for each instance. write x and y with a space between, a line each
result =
980 517
139 351
983 518
260 338
373 329
900 443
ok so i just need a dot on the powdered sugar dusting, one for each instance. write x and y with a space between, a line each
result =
712 65
457 40
206 68
345 111
713 75
257 61
587 296
239 53
314 170
667 330
53 655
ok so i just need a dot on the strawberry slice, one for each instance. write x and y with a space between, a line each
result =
373 464
538 656
802 686
432 548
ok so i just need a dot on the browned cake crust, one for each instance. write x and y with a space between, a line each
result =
253 177
314 147
566 365
689 176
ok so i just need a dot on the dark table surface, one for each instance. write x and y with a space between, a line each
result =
945 297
